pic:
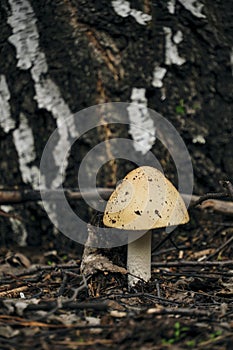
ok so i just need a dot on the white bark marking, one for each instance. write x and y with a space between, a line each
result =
158 75
178 37
6 122
142 126
231 60
171 5
171 50
194 7
122 8
24 143
199 139
17 226
25 38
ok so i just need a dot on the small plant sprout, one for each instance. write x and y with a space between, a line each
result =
144 200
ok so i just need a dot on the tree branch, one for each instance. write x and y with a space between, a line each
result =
8 197
181 263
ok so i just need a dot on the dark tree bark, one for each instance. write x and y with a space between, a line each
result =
58 57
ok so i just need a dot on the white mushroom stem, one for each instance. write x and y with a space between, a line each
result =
139 259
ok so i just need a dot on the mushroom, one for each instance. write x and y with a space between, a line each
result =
144 200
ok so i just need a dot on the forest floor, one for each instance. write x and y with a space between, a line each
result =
45 303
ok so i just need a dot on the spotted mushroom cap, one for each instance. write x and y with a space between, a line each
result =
145 199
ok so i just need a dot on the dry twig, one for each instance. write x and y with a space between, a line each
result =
181 263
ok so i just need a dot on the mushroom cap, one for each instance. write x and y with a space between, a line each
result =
145 199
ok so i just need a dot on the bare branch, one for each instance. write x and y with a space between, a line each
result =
181 263
22 196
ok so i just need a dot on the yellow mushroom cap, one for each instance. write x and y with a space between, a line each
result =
145 199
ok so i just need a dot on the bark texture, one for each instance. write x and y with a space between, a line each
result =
58 57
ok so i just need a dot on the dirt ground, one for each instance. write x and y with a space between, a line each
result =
47 304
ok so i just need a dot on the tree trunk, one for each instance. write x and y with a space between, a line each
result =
59 57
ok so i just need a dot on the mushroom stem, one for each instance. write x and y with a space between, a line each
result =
139 259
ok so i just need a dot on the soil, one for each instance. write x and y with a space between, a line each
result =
47 304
